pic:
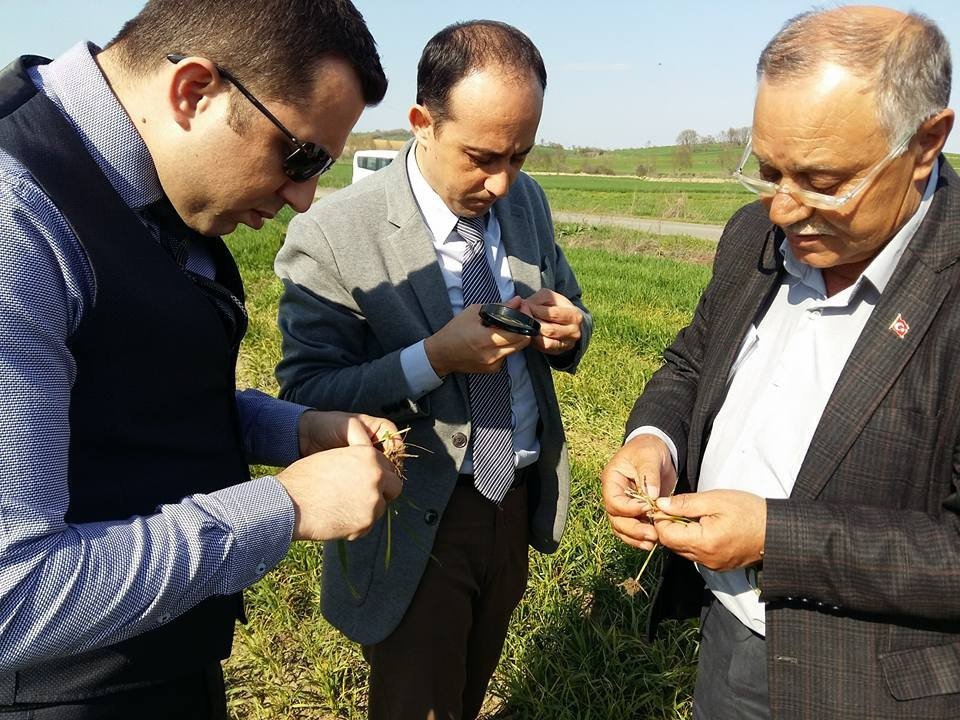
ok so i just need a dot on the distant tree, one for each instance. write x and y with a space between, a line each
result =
683 157
547 157
647 168
687 138
559 155
736 136
588 151
729 157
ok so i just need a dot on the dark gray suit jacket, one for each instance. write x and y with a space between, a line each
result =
361 282
861 572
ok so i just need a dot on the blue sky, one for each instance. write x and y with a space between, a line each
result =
621 73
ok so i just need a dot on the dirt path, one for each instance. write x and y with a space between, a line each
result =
659 227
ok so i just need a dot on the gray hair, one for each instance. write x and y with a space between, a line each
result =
907 60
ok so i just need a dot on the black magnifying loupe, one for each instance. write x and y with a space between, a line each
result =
504 318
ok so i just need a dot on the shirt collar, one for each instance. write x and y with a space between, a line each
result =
439 218
76 85
881 268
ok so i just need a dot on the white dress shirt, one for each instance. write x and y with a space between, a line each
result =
779 385
419 374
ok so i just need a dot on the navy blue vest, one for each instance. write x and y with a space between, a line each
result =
152 413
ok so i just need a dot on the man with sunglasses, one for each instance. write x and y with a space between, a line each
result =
128 521
808 418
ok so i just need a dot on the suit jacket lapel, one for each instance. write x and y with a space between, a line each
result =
915 291
413 246
522 257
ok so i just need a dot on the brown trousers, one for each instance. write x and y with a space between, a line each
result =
438 662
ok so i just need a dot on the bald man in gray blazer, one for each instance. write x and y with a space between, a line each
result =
374 319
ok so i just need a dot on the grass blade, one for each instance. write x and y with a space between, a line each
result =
342 555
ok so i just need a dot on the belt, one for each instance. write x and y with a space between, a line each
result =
520 477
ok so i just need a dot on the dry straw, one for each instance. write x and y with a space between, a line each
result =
632 585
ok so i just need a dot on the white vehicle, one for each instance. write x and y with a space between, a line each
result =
367 162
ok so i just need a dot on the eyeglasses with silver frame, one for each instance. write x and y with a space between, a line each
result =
810 198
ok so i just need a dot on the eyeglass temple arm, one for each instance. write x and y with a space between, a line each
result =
176 57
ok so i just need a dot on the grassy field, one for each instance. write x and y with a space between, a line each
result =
708 160
715 160
576 648
699 202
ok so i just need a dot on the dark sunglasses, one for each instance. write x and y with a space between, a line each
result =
307 159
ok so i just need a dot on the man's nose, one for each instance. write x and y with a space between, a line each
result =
299 195
498 183
784 209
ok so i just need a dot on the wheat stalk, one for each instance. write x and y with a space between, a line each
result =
394 446
632 586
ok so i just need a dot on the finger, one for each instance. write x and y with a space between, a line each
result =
628 508
386 434
546 296
567 314
625 506
507 340
682 538
691 505
632 542
514 303
360 431
559 329
632 528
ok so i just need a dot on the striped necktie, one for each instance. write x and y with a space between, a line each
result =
489 393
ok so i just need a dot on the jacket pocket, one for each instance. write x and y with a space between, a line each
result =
922 672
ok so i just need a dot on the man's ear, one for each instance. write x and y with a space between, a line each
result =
421 123
192 83
930 139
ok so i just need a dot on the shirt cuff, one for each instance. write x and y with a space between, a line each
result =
270 428
656 432
260 514
417 371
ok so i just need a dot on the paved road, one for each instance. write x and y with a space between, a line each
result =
660 227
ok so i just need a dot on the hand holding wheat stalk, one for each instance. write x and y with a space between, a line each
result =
632 585
394 446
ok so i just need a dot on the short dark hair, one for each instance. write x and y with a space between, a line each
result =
461 48
272 46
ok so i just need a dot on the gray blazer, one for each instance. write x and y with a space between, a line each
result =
362 282
861 571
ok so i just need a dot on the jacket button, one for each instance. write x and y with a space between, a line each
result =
430 517
459 439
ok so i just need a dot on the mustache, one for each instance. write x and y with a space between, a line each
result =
807 227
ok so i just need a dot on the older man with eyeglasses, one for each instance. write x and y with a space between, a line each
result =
808 418
128 520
